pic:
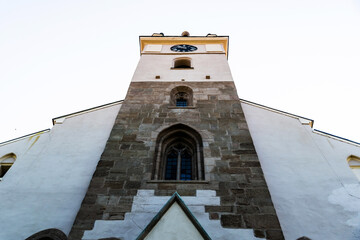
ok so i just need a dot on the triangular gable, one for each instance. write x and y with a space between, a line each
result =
174 209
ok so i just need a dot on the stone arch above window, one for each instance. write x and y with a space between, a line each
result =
6 162
182 63
48 234
181 96
178 154
354 164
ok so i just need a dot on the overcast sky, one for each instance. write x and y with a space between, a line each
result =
59 57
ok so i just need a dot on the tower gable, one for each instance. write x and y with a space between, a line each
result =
174 219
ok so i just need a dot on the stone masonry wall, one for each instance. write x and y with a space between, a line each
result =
231 164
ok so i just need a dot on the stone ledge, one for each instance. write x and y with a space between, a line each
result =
179 181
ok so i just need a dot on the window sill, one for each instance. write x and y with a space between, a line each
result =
180 181
187 107
189 68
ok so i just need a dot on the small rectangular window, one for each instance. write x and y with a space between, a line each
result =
181 102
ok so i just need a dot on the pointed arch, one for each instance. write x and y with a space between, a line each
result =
178 154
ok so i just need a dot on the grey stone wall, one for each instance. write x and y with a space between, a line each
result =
231 164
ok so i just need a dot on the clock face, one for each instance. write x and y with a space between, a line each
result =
183 48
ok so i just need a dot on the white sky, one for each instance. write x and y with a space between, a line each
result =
58 57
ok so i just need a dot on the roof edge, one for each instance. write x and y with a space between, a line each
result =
25 136
86 110
277 111
297 116
336 137
63 116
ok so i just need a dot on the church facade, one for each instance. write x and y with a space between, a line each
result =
180 156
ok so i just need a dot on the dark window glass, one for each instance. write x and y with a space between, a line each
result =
171 165
4 169
186 166
182 63
181 102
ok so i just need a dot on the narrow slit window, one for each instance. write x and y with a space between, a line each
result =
171 165
186 166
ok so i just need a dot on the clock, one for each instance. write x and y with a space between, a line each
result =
183 48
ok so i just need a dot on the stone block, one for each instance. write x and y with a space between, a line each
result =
277 235
257 193
238 192
256 170
129 138
159 120
103 163
101 172
226 209
114 184
241 209
147 120
241 152
206 193
145 193
186 192
139 147
132 184
227 200
214 216
232 221
259 233
102 200
261 221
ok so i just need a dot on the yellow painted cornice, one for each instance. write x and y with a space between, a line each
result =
223 40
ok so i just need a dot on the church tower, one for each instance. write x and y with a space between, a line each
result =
181 128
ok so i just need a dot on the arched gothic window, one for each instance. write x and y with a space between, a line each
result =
6 162
181 96
179 154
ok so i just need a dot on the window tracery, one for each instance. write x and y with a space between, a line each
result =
179 154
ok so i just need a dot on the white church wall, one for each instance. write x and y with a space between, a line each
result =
47 183
312 187
212 65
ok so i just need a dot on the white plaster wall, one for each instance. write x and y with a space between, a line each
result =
312 187
47 183
215 65
176 224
